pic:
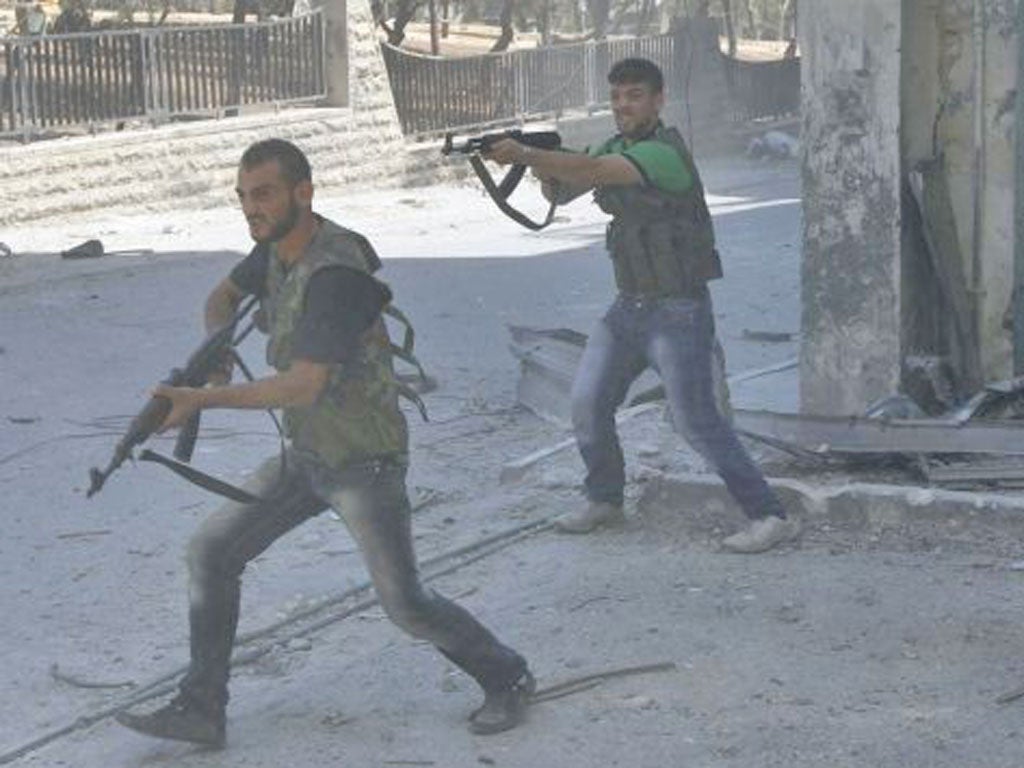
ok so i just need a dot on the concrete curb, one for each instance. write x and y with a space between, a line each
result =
861 507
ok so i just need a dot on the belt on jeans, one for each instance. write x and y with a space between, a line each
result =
640 300
372 466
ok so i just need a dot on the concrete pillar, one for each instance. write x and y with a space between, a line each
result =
851 351
336 53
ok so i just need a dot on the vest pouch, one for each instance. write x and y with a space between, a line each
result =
655 259
634 274
672 266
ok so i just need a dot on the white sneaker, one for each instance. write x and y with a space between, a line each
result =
590 517
762 535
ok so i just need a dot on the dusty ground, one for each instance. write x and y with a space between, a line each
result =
837 651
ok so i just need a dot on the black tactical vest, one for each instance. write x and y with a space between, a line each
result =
661 243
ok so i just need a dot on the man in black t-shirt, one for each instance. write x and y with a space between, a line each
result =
348 450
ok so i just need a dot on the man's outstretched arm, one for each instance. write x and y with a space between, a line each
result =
577 172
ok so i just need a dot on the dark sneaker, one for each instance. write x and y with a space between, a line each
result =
180 721
504 708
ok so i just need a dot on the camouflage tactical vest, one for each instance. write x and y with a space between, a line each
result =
661 243
357 416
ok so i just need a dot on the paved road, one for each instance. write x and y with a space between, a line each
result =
97 586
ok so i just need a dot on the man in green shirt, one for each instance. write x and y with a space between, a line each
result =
661 244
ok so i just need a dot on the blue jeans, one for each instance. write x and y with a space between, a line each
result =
372 500
675 336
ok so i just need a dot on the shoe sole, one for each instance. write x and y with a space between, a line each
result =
129 722
528 689
791 535
614 523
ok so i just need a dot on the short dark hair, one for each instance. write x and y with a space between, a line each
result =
637 71
290 159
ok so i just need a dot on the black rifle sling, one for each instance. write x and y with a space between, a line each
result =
200 478
404 352
500 193
209 482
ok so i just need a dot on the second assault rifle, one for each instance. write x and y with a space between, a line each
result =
206 360
501 191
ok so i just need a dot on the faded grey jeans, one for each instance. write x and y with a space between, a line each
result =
675 336
371 499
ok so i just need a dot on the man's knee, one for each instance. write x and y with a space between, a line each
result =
587 413
410 609
208 555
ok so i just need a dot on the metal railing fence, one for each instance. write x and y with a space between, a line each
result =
763 89
435 94
63 81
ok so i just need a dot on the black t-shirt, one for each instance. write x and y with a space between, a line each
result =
341 303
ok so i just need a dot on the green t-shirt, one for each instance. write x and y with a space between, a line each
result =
658 162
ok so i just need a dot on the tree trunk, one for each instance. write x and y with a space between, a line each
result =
599 10
787 20
644 16
435 43
751 26
403 15
507 29
730 30
544 22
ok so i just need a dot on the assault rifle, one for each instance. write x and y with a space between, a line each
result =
483 142
201 364
501 191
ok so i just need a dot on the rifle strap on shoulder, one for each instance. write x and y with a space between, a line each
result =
500 193
409 335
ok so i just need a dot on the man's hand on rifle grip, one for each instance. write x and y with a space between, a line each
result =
221 375
184 402
508 152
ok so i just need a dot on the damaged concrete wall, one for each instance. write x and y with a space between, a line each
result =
850 355
890 88
944 43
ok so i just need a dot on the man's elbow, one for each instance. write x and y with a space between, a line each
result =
307 386
221 303
308 392
305 397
